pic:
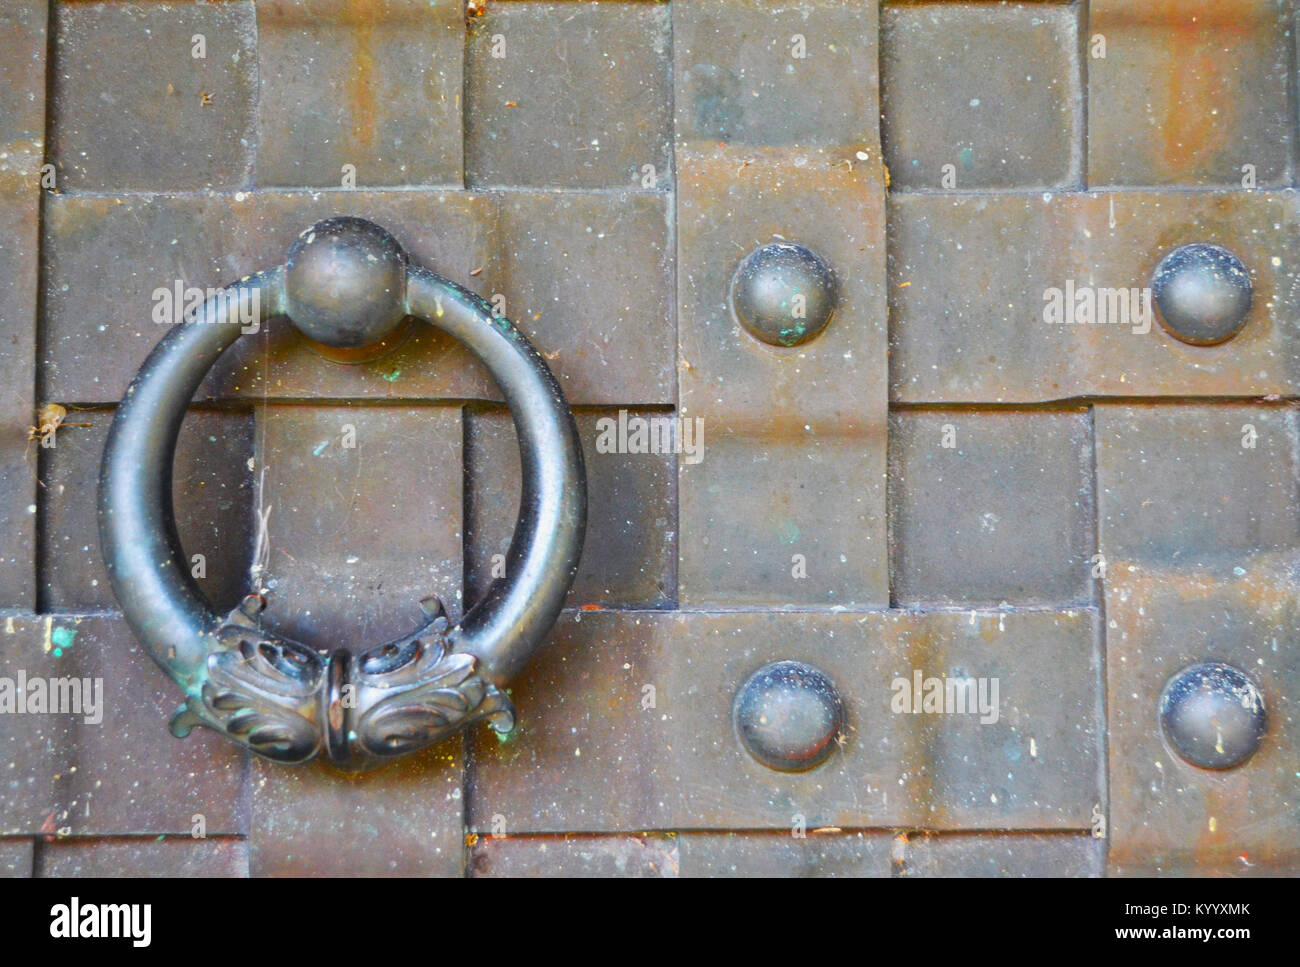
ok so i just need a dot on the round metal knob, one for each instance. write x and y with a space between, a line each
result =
788 715
1213 715
346 282
1202 293
784 294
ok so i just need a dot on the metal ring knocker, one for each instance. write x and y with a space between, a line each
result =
347 283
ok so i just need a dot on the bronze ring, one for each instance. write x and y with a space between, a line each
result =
345 282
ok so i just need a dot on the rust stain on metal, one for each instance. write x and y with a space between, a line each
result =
1195 94
362 96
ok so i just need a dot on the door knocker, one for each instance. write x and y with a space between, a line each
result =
346 283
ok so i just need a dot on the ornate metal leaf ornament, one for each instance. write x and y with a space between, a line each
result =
416 690
345 283
281 698
261 689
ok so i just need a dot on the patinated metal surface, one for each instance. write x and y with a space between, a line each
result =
967 310
213 490
679 764
1207 574
114 770
1116 505
633 564
953 73
1201 88
1014 487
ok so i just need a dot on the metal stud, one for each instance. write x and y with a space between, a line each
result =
1202 292
788 715
784 294
1213 715
345 283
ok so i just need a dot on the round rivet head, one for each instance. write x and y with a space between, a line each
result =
1202 293
788 715
784 294
345 283
1213 715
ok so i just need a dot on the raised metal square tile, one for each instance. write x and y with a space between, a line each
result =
375 87
1197 486
784 519
569 95
111 266
1193 93
105 763
184 121
364 519
749 72
1016 742
588 278
982 96
991 507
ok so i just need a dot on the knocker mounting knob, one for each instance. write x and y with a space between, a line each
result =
346 283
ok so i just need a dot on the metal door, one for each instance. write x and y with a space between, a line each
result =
944 483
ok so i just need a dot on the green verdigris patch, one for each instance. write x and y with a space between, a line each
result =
62 639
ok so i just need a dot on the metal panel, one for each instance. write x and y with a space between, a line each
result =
525 124
113 768
1206 572
608 754
589 276
743 77
352 549
1116 504
992 508
1190 92
16 858
121 249
404 821
968 323
212 487
630 559
982 97
339 88
185 123
775 416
